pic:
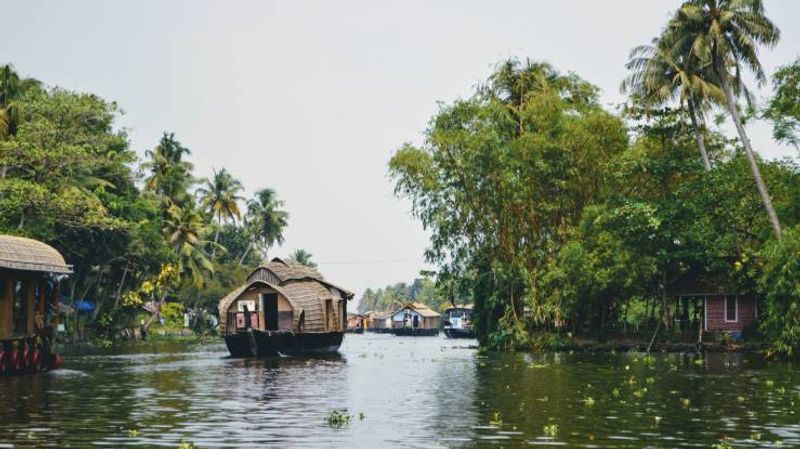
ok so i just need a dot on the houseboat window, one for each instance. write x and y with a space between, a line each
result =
731 308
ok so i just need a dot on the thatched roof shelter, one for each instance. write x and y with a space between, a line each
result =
20 253
303 287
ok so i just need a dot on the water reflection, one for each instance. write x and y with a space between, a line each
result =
412 392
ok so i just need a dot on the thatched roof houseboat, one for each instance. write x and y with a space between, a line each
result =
30 274
416 319
284 308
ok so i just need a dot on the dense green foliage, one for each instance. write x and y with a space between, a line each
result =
784 107
134 230
554 214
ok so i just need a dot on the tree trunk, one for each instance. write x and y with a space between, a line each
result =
244 256
737 121
665 317
698 136
119 289
216 238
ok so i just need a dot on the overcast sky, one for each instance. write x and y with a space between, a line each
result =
312 98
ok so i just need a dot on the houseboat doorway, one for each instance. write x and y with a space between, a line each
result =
271 311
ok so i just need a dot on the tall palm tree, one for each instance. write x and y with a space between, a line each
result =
170 176
304 257
727 33
185 229
659 77
218 197
266 220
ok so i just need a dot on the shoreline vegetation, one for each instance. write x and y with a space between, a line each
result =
548 210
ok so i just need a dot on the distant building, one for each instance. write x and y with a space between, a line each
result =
726 308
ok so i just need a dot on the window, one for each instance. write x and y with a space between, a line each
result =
731 309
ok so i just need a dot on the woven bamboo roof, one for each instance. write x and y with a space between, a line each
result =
420 308
20 253
285 270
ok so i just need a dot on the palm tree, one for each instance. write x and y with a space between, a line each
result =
659 77
265 220
170 176
218 197
727 34
303 257
184 230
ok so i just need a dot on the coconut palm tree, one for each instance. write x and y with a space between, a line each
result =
185 229
659 77
304 257
218 197
727 34
265 219
170 176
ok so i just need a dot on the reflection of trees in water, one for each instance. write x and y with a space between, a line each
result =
453 386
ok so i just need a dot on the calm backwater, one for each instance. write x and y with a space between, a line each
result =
413 392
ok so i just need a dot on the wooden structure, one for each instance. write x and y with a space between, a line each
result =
415 319
284 308
30 273
457 322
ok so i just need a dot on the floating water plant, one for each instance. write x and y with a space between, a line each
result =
588 402
640 393
187 445
724 443
685 402
338 418
657 419
497 419
550 430
741 399
755 436
651 380
615 392
769 383
134 433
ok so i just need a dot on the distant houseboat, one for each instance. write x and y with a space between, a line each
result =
457 322
355 323
284 308
415 319
30 275
378 322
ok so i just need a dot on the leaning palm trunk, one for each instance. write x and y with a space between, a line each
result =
737 121
698 136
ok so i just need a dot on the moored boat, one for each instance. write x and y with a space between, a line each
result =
415 320
284 308
458 322
30 276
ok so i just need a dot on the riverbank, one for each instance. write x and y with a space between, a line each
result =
560 343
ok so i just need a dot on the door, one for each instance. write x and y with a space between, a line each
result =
271 311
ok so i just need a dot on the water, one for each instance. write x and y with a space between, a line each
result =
413 392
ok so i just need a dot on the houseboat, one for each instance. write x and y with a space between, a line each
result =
30 276
415 319
378 322
355 323
284 308
457 322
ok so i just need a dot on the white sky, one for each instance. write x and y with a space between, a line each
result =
312 98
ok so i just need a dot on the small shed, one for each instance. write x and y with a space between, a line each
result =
415 315
726 307
285 295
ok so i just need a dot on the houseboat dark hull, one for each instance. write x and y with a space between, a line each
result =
24 356
273 343
380 330
358 330
452 332
418 332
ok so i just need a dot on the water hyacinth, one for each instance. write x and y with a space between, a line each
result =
550 430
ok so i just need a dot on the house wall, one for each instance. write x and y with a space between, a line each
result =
715 314
285 310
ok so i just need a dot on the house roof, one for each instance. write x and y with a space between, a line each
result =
418 307
285 270
20 253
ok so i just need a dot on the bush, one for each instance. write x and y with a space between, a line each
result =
779 284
